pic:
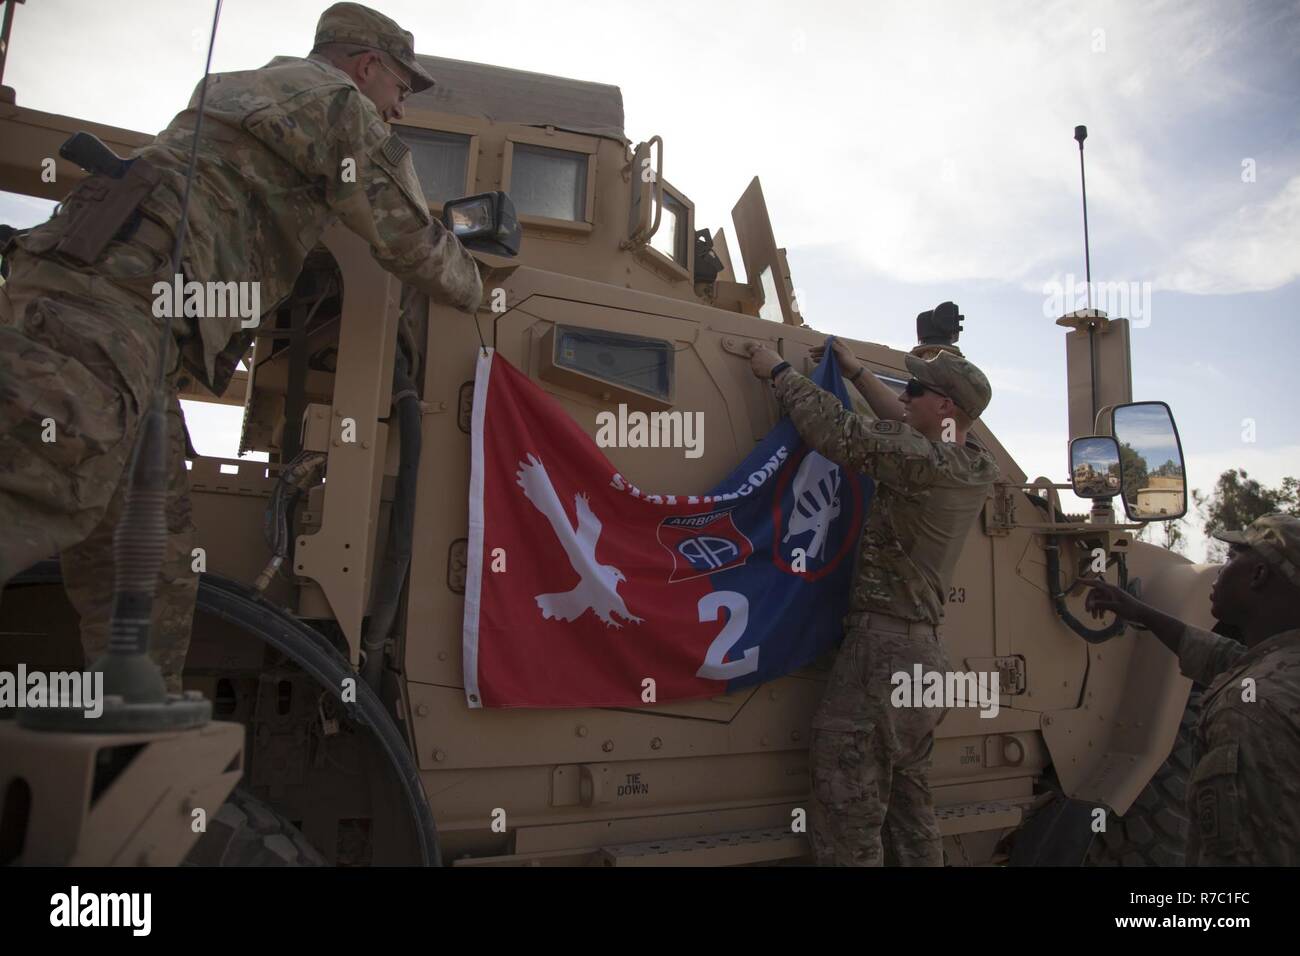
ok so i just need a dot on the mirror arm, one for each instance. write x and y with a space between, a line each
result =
642 236
1091 635
659 188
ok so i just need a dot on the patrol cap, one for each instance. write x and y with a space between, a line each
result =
354 23
928 349
1277 539
956 377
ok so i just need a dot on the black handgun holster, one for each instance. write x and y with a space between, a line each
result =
104 205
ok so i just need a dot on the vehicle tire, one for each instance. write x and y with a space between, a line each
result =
1154 831
247 832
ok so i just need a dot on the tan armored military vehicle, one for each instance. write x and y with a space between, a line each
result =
319 758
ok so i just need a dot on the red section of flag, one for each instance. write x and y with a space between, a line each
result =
586 608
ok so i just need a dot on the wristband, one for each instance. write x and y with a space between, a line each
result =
858 374
777 370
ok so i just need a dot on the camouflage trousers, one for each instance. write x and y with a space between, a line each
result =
77 367
869 760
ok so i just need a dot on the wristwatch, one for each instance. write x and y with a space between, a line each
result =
777 370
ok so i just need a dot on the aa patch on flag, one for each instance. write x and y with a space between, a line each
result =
702 544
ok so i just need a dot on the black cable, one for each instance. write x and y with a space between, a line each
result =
1053 554
190 170
139 541
401 524
238 604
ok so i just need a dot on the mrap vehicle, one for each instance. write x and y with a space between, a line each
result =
362 588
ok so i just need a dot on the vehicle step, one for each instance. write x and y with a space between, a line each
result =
718 849
982 815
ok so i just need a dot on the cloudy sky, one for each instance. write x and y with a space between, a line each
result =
909 152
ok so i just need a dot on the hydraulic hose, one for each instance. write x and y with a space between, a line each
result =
401 524
1053 554
1092 636
297 476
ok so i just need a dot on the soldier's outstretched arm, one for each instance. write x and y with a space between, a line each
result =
889 451
386 207
340 140
884 401
1201 654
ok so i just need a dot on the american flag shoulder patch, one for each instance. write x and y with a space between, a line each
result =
394 149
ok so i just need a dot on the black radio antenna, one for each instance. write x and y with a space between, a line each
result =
139 541
1080 134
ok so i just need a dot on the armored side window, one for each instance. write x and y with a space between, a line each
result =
549 182
645 365
441 161
670 239
771 307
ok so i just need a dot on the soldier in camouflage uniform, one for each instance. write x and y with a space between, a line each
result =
286 151
1243 798
871 800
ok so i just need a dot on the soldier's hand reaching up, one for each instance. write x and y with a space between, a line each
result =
849 364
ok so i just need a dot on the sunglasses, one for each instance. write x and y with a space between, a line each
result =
916 389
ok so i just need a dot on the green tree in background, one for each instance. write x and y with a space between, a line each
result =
1175 538
1134 469
1236 501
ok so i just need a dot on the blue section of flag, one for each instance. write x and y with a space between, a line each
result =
806 503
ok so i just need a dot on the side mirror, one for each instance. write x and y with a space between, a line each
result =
1094 467
1150 461
484 223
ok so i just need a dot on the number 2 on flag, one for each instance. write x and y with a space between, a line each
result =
714 667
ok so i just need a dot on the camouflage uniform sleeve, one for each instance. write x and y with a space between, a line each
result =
1244 790
890 452
387 208
1202 655
337 137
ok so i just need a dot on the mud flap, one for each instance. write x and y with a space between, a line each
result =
1058 834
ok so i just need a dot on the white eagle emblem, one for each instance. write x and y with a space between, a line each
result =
597 591
816 501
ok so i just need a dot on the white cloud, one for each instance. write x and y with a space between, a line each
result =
1253 249
1203 370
